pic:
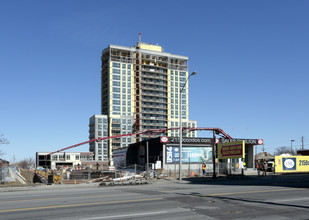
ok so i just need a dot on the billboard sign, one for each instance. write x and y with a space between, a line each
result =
291 164
231 150
189 154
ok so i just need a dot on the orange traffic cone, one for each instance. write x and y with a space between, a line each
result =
192 173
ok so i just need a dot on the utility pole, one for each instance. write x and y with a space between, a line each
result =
214 155
302 142
147 160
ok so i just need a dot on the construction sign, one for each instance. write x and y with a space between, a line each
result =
231 150
292 164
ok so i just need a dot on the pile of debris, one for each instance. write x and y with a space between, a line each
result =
125 180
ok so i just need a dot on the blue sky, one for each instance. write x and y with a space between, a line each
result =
251 58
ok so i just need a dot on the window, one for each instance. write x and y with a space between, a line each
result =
116 77
116 96
116 71
116 83
68 157
116 89
116 102
124 65
129 66
183 74
116 108
117 65
76 157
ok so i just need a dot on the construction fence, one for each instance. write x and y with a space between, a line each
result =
195 169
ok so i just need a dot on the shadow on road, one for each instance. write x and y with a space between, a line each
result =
290 180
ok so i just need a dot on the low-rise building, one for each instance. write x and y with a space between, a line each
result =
74 160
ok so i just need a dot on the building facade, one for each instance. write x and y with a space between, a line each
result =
64 159
140 90
98 128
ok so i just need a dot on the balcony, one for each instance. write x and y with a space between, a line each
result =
154 88
154 106
154 112
151 82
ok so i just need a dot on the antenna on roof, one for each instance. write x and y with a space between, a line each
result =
140 37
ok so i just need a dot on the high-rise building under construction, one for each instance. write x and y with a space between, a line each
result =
140 90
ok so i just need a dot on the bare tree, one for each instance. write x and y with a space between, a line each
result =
3 140
26 163
284 150
1 153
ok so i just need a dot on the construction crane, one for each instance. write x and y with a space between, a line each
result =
150 133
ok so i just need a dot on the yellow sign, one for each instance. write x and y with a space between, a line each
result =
291 164
231 150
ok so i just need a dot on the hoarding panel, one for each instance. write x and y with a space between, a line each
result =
231 150
189 154
291 164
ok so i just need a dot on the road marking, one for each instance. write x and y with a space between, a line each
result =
248 192
53 198
126 216
80 204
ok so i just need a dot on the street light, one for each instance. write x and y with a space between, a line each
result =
292 146
180 129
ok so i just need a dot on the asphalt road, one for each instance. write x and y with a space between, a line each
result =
271 197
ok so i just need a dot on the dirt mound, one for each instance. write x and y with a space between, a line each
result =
28 175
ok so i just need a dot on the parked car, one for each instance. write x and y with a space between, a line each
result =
270 166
